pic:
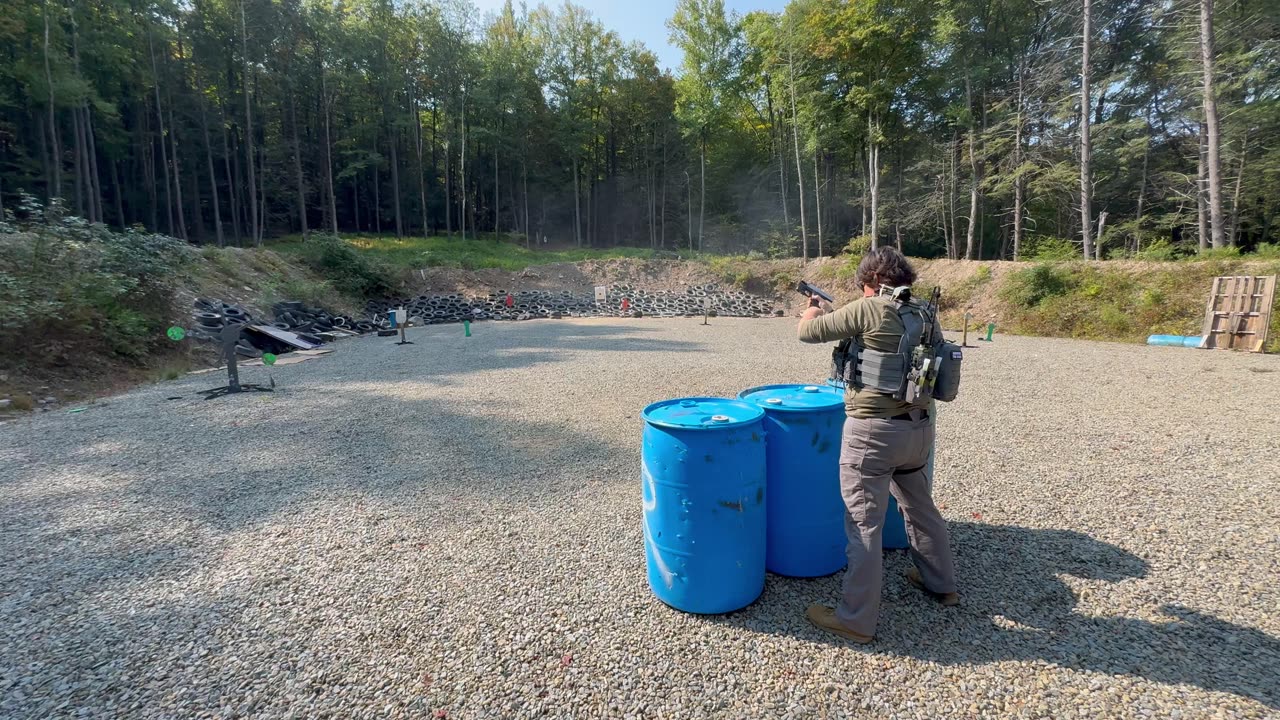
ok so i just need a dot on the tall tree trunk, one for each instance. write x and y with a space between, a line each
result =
355 202
577 209
941 191
702 195
195 227
448 189
77 151
297 164
326 106
377 205
394 138
94 175
117 191
417 144
1017 165
1235 196
1202 179
1086 150
817 201
87 164
688 183
208 154
230 166
462 168
1102 227
496 205
164 152
974 177
149 170
1213 158
177 175
662 212
953 194
55 192
1142 187
795 140
778 138
524 179
864 164
873 174
897 203
262 194
254 226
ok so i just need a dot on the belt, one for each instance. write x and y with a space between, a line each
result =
924 415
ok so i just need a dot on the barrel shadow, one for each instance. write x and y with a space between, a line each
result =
1016 607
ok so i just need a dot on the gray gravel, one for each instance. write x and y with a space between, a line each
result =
451 528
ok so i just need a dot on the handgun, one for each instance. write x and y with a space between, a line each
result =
808 290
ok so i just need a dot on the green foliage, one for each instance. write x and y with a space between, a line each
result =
1267 251
1032 286
1216 254
347 269
1046 248
858 246
69 279
1098 301
1159 251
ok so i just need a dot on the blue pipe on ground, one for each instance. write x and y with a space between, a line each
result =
1175 340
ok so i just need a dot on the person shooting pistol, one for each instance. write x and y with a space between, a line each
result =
893 362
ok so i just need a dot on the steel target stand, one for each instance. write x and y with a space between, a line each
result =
230 336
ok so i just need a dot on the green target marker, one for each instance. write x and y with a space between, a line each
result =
176 333
268 359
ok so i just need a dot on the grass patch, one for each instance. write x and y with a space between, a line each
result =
1097 302
471 254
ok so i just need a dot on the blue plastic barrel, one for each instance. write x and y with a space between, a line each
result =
703 477
803 424
1192 341
894 535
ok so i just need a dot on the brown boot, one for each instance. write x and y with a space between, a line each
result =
825 618
947 599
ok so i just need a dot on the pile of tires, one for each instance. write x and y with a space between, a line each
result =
210 317
531 304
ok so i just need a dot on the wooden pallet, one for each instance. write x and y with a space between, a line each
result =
1239 313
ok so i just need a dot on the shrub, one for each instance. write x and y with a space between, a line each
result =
1267 251
1158 251
1028 288
858 246
1047 248
346 268
67 278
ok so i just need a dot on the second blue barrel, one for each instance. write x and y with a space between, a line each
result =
803 424
703 477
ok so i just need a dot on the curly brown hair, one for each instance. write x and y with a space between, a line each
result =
885 266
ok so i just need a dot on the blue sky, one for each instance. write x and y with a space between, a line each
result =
643 20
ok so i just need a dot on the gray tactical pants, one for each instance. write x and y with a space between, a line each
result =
879 457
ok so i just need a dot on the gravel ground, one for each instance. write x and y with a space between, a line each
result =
451 529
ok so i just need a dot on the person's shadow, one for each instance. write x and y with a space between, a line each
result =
1016 607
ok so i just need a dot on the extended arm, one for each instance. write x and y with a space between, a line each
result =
817 326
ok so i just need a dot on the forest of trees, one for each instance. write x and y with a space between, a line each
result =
960 128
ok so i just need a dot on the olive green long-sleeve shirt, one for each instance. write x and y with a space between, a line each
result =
874 322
